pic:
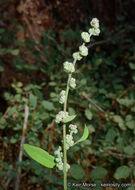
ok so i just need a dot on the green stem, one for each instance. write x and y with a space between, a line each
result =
64 133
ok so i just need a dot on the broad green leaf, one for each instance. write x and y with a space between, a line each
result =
40 155
85 135
98 173
129 150
122 172
88 114
68 119
33 100
48 105
77 171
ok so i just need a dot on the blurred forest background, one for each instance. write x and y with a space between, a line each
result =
36 37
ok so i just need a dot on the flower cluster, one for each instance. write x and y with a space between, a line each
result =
62 97
59 156
95 31
73 129
68 67
72 83
60 116
69 137
77 56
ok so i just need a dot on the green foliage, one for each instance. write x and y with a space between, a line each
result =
69 118
98 173
40 155
107 77
84 136
77 171
122 172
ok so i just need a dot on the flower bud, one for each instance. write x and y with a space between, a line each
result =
95 23
68 67
85 36
72 83
83 50
77 56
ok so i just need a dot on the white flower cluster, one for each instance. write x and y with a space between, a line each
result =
69 141
72 83
62 97
58 159
85 36
69 137
83 50
60 116
95 23
77 56
73 129
68 67
95 31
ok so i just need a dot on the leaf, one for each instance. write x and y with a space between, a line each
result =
88 114
77 171
68 119
40 155
33 100
130 124
129 150
120 121
98 173
85 135
122 172
110 136
14 52
48 105
132 65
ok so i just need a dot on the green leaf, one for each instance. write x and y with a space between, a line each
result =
132 65
48 105
33 100
40 155
98 173
110 136
129 150
130 124
76 171
122 172
14 52
85 135
88 114
120 121
68 119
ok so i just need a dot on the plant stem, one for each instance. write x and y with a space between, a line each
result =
64 133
